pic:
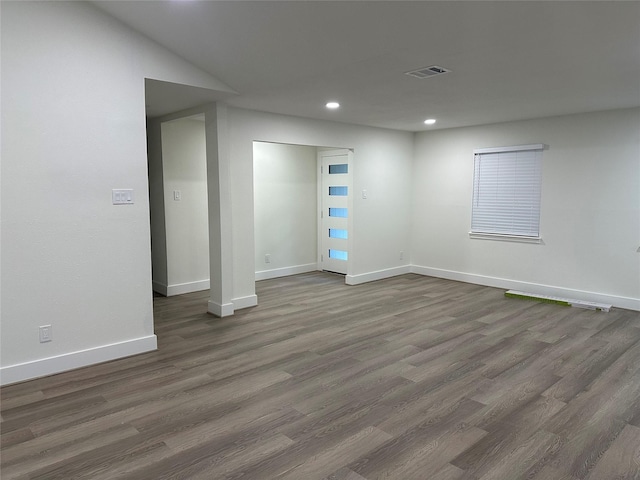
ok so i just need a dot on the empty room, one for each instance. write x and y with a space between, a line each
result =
303 240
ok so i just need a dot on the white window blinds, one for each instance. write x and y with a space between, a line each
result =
506 191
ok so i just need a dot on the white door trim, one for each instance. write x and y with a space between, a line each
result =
323 210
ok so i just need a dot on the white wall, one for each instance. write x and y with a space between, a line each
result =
156 207
382 166
73 128
590 218
285 208
184 168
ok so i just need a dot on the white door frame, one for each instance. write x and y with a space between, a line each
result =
321 207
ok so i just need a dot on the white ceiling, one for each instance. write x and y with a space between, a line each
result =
509 60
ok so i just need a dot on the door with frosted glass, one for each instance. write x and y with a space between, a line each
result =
334 232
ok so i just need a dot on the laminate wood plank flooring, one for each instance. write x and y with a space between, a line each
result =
408 378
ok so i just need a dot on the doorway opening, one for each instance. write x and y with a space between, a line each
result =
178 205
301 211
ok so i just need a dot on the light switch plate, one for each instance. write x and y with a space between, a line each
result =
122 196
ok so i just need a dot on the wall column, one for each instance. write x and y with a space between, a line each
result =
219 195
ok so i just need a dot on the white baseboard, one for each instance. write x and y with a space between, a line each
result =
377 275
73 360
616 301
161 288
245 302
286 271
220 309
180 288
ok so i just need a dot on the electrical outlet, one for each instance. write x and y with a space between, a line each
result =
267 258
46 333
401 254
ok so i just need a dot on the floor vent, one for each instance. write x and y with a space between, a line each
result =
427 72
568 302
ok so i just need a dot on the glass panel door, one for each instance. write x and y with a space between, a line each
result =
334 255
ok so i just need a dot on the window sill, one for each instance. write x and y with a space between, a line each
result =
505 238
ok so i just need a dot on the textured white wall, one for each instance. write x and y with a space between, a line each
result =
285 205
590 218
184 168
73 129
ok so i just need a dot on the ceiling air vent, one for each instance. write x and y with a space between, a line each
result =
427 72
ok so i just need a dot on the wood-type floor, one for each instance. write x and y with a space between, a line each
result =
407 378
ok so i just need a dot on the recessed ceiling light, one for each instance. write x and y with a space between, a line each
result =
333 105
430 121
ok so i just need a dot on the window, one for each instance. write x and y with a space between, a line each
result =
339 191
339 168
338 254
506 192
338 212
338 233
